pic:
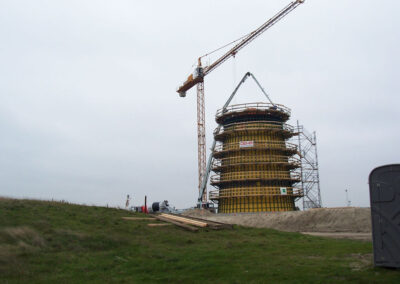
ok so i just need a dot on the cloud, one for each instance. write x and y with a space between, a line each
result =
89 113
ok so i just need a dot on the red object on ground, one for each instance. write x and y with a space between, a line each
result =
144 209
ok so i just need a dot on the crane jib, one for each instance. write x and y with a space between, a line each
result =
190 82
252 36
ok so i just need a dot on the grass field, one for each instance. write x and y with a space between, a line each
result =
48 242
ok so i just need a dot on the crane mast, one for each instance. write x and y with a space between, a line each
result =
201 137
197 78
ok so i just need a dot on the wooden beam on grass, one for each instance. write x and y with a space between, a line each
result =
179 224
185 220
159 224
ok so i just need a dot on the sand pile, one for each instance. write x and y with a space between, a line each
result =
346 219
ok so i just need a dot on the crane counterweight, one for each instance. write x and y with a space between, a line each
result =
196 77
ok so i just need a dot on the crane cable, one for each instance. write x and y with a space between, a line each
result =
228 44
222 47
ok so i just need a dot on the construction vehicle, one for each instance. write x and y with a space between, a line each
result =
162 207
197 78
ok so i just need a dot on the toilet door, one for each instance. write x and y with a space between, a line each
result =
384 187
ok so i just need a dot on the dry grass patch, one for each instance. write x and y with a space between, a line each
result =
23 234
17 240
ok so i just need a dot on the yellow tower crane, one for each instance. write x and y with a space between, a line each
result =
197 78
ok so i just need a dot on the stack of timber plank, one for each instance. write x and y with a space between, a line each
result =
190 223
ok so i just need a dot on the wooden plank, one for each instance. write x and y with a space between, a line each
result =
182 225
185 220
137 218
159 224
213 224
175 217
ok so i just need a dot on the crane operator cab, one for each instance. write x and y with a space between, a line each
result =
194 78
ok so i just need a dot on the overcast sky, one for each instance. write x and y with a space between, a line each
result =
89 112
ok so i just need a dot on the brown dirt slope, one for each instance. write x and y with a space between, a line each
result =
344 219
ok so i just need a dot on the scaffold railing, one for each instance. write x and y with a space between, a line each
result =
292 162
238 127
256 146
255 175
254 106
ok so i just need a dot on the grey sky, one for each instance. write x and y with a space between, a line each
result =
89 113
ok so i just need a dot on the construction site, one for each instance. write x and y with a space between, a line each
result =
260 162
260 207
262 169
258 165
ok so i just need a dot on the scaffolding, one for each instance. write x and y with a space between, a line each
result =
280 176
309 169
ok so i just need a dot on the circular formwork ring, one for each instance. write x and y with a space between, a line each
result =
224 178
253 108
220 164
254 192
256 130
255 159
222 149
255 125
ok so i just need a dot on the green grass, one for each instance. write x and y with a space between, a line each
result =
48 242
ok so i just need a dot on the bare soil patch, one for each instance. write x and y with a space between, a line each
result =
351 220
341 235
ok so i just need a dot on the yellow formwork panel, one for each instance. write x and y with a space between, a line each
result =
255 204
249 126
254 156
246 175
255 191
263 137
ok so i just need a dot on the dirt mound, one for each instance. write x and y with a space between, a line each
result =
346 219
198 213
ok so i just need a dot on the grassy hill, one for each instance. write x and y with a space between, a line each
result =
45 242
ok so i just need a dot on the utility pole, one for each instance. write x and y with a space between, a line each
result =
348 202
128 198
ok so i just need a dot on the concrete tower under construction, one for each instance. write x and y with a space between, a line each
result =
254 165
